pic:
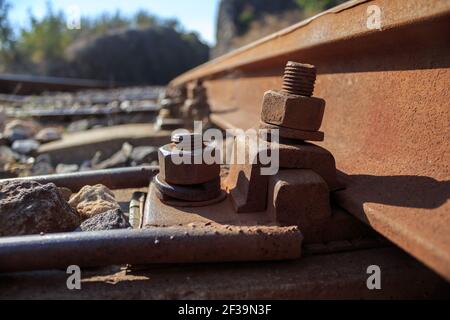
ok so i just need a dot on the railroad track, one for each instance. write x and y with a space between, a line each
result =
27 84
386 91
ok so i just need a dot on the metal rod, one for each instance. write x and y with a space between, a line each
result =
120 178
188 244
136 209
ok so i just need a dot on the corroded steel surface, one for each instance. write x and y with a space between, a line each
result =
387 119
337 225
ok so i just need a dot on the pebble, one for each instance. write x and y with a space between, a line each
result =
93 200
20 130
66 168
26 147
48 135
109 220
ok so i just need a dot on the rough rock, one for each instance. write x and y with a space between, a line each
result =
119 159
42 166
48 135
28 207
109 220
28 146
141 155
85 166
21 130
66 193
66 168
93 200
80 125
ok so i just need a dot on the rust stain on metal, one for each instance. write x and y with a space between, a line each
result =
194 243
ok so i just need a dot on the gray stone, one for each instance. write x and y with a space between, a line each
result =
119 159
20 130
28 207
141 155
66 168
80 125
42 165
48 135
28 146
16 134
109 220
86 166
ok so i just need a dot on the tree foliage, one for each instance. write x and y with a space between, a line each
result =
311 7
6 41
45 46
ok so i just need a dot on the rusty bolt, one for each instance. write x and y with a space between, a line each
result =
294 107
292 111
196 171
299 79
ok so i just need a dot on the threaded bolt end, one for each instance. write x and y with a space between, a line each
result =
299 79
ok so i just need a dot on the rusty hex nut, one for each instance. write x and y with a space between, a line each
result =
194 172
292 111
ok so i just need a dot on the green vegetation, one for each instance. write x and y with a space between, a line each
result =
247 11
311 7
246 17
6 41
46 40
46 45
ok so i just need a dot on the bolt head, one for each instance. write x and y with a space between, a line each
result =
193 170
292 111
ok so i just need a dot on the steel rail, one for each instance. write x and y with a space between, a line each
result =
82 112
27 84
120 178
149 246
387 112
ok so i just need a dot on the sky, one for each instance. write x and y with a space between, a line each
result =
194 15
